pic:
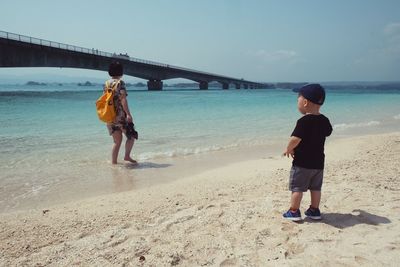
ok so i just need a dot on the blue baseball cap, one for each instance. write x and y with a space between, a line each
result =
313 92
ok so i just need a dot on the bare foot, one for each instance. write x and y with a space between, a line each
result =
130 160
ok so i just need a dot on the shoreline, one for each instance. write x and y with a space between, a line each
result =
226 216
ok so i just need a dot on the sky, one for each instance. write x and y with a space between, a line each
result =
258 40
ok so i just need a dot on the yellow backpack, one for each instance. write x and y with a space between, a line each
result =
105 104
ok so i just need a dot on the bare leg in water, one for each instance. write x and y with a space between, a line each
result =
128 148
117 137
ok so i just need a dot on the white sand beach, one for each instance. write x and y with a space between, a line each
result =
227 216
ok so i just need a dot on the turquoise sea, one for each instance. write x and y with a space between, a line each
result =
53 147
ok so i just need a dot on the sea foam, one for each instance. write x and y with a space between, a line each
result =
343 126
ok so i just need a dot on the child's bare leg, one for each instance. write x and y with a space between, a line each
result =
295 200
117 136
315 199
128 148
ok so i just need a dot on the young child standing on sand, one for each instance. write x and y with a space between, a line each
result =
306 147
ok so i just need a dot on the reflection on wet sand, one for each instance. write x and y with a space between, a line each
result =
147 165
124 178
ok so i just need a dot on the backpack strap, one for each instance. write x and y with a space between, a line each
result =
106 85
114 87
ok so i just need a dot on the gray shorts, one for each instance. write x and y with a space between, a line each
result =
302 179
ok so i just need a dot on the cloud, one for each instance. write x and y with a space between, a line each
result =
383 60
392 29
278 55
278 64
392 35
392 46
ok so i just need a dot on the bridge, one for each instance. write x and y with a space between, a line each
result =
23 51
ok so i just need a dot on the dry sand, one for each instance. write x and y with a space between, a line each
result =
230 216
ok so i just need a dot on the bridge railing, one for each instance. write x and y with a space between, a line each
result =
33 40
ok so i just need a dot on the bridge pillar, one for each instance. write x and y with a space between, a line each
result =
203 85
154 85
225 86
237 85
246 86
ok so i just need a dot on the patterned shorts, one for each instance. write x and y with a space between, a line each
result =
126 128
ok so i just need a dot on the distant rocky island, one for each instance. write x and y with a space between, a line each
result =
35 83
339 85
87 83
365 86
139 84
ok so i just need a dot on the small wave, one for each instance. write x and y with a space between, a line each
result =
343 126
182 152
178 153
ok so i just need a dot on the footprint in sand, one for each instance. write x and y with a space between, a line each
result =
360 260
180 217
119 241
229 262
259 242
288 227
294 249
265 232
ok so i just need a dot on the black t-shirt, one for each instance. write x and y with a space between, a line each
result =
312 129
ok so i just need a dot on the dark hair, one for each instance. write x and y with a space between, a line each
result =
115 69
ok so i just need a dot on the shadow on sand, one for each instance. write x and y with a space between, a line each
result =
147 165
342 221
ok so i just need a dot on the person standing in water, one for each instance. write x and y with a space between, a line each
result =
123 122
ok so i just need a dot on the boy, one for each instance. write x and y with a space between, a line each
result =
306 147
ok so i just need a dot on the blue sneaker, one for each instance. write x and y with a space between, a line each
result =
314 214
296 216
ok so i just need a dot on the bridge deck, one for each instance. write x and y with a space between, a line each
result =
25 51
